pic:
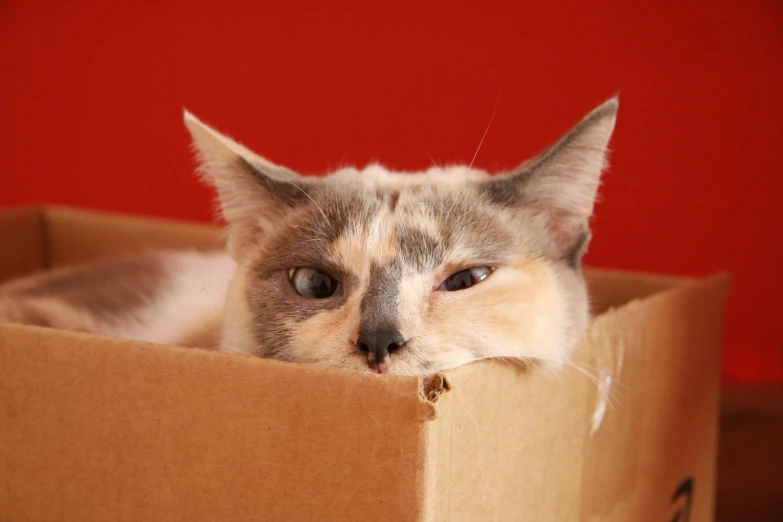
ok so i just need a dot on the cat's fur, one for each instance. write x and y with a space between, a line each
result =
389 238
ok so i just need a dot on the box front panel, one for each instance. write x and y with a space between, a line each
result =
100 429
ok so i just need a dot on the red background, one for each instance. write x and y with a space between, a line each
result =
92 93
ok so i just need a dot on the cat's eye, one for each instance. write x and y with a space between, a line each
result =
465 278
310 283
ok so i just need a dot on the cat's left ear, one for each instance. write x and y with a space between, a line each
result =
560 185
254 193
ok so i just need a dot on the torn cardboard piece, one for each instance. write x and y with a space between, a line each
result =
93 428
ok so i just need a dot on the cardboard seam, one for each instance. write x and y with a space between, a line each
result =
430 472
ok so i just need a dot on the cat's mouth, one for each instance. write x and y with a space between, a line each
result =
376 361
379 364
378 347
372 360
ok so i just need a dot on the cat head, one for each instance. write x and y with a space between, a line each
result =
408 273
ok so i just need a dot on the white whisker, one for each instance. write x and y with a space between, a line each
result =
237 350
308 197
485 132
536 360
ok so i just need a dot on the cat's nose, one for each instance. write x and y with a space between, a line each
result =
379 345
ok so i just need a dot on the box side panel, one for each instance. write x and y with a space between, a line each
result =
652 449
100 429
22 235
507 444
77 236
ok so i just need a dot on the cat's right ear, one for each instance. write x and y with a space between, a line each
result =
253 192
560 185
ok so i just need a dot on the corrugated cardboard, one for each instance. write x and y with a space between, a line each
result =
93 428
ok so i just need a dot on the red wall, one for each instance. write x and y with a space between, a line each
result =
92 92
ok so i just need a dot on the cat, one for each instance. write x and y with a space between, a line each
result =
370 270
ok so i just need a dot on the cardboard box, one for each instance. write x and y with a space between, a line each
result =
93 428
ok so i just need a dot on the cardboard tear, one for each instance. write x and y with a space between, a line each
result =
430 390
433 387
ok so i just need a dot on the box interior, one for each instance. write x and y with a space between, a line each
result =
52 237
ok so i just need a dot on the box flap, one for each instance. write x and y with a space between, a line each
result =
613 288
76 236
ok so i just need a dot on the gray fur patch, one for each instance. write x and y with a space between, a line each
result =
573 257
379 303
106 289
474 228
505 189
304 242
278 308
289 192
419 249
